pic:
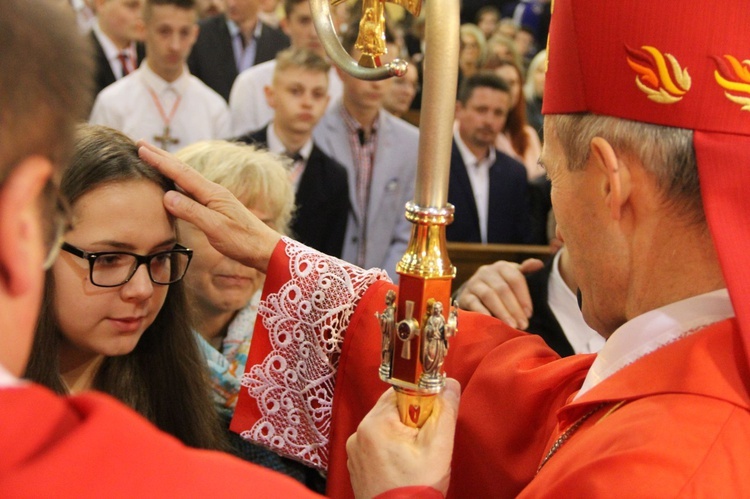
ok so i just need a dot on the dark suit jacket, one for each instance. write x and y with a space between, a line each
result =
103 72
543 321
508 219
540 200
212 57
322 199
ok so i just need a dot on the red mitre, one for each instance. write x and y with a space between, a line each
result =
682 63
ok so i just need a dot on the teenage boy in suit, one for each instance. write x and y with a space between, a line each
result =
298 96
379 152
115 35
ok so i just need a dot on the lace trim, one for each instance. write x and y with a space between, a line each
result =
675 339
306 320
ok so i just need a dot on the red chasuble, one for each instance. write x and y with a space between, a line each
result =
93 446
676 421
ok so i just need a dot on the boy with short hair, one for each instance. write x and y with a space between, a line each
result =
247 100
379 152
298 96
116 34
161 101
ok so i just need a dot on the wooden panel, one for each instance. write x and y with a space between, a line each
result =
468 257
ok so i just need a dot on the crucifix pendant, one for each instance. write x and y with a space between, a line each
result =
165 140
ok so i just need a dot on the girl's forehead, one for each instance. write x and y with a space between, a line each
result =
130 212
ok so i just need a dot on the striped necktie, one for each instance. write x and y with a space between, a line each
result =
125 62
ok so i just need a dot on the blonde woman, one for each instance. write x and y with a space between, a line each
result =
533 90
473 52
224 294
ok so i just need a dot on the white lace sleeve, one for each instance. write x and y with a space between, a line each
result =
306 321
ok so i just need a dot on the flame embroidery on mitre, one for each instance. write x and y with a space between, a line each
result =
659 75
735 78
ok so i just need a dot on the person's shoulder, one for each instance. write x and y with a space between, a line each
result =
404 134
211 24
399 125
510 165
95 42
330 132
213 37
120 92
330 163
693 442
65 417
331 120
269 32
209 94
74 443
257 137
256 73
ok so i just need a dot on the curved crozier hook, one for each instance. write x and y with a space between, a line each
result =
321 14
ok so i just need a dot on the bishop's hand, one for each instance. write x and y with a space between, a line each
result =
230 227
385 454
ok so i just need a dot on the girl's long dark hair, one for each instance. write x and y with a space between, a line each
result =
164 378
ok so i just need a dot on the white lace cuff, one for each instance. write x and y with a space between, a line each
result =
306 320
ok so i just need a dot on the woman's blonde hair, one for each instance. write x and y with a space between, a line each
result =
528 88
474 31
258 178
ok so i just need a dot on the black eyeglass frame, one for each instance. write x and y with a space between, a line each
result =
139 260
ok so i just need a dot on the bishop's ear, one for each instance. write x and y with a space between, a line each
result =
21 226
615 174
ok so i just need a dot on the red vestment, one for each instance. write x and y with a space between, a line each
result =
93 446
676 421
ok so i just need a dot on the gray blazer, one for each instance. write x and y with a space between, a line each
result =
393 175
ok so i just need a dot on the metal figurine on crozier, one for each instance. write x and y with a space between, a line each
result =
388 327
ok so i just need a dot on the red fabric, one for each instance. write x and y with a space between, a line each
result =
92 446
414 492
685 426
687 429
358 385
684 433
481 345
724 169
589 71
